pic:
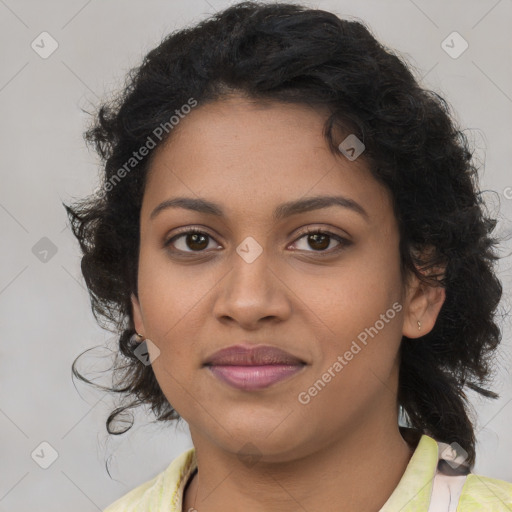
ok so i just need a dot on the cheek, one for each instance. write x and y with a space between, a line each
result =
361 308
170 296
359 366
170 305
357 293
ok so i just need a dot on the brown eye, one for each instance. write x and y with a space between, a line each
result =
196 241
191 240
320 241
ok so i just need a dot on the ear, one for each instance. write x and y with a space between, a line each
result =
137 315
422 304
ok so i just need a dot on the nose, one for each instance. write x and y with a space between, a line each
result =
252 292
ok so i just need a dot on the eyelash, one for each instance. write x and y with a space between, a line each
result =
309 231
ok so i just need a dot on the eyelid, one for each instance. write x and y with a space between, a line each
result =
324 228
343 240
186 230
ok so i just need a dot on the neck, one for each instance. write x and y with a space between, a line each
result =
357 472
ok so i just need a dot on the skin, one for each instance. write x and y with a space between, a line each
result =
249 158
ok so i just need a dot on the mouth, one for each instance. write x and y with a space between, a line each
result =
253 367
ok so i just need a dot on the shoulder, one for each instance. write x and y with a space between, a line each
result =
131 501
163 492
484 493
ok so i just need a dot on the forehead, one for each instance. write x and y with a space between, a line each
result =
251 156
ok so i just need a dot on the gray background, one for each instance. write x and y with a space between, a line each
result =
45 318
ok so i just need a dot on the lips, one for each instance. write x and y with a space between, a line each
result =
252 368
240 355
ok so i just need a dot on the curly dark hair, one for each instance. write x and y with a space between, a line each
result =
290 53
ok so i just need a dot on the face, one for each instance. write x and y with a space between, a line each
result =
334 300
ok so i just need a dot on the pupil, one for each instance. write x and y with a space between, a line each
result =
315 238
195 237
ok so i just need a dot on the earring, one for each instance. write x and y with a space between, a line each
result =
419 325
137 338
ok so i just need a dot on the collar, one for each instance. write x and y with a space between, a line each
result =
412 492
415 487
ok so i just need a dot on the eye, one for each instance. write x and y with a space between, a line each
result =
193 239
320 240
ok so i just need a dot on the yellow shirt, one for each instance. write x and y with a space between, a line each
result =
164 493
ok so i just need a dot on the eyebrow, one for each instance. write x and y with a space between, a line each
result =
282 211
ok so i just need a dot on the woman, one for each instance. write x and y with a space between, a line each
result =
291 242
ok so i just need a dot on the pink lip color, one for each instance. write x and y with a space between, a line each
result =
254 377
